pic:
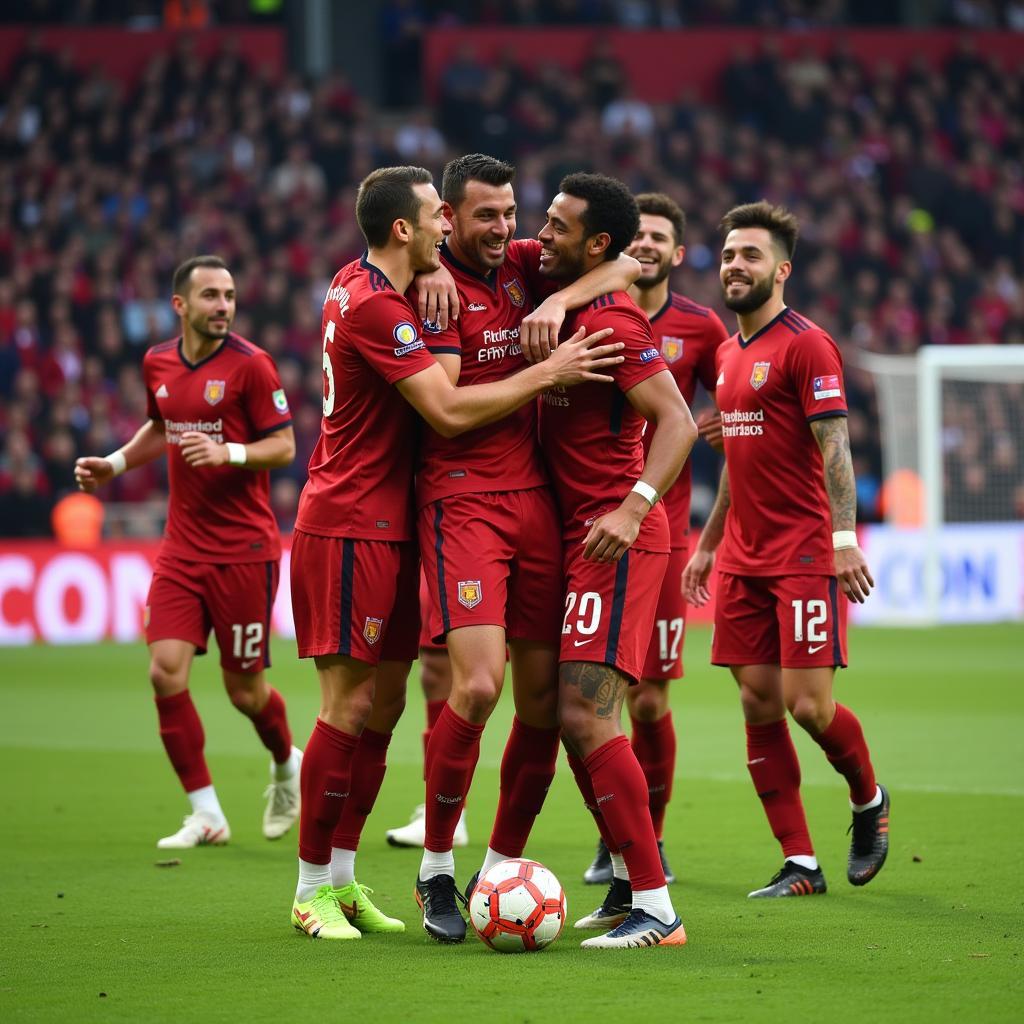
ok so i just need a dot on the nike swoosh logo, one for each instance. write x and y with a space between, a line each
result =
249 664
814 650
580 643
667 666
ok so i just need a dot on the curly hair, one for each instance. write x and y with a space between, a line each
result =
610 208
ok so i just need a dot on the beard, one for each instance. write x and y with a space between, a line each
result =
760 292
646 283
202 328
570 265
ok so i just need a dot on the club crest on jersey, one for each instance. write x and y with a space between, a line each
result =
372 629
515 292
671 348
470 593
759 375
214 391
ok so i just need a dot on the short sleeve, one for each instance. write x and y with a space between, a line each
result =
816 370
439 343
641 358
389 338
707 363
265 401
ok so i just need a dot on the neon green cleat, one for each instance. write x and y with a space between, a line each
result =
321 917
356 906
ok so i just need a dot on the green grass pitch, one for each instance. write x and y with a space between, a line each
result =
93 930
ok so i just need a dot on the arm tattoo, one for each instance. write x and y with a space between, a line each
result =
834 441
601 684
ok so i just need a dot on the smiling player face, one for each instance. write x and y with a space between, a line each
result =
656 248
429 231
750 269
483 224
209 305
562 239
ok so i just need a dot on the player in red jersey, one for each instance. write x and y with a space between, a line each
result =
785 516
217 408
687 335
354 566
489 535
616 541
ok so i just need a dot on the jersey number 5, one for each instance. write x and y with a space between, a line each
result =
328 370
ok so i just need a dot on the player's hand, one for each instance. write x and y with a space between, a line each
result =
694 584
92 472
611 536
709 426
853 573
439 298
578 359
539 332
200 450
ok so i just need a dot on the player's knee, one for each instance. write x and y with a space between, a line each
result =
810 713
576 720
539 709
246 700
167 678
435 679
759 707
648 704
477 696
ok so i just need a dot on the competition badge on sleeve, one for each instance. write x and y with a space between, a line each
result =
759 375
280 400
827 387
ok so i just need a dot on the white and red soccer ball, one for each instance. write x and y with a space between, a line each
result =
518 906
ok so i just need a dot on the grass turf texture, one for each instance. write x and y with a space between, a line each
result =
93 930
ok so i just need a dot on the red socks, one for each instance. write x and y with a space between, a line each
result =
182 733
620 790
586 788
324 783
773 765
527 768
368 766
654 744
434 709
452 755
272 727
844 746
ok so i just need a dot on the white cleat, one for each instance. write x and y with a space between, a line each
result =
640 931
415 832
282 800
198 829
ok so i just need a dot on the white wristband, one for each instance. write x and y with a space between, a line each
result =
118 461
844 539
646 491
236 453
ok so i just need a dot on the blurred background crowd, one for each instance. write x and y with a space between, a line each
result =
908 182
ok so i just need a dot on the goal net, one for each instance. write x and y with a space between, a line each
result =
952 435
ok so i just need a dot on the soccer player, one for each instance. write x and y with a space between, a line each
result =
687 335
354 566
616 541
217 408
489 534
785 516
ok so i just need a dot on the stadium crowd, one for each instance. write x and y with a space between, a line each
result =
907 183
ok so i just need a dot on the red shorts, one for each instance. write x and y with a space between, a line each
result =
665 652
426 640
792 621
494 560
609 608
188 599
355 597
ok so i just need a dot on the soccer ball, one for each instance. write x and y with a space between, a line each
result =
518 906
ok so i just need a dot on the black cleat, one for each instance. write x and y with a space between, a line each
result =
667 871
600 871
438 899
471 886
618 902
870 844
792 880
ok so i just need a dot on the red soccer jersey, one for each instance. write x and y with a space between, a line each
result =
592 437
360 473
687 335
769 388
220 513
502 456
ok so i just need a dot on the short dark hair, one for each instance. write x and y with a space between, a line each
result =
776 220
472 167
657 204
385 195
611 208
183 272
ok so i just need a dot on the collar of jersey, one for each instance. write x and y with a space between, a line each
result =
491 282
365 263
767 327
195 366
668 302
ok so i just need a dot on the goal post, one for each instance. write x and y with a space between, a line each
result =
952 436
